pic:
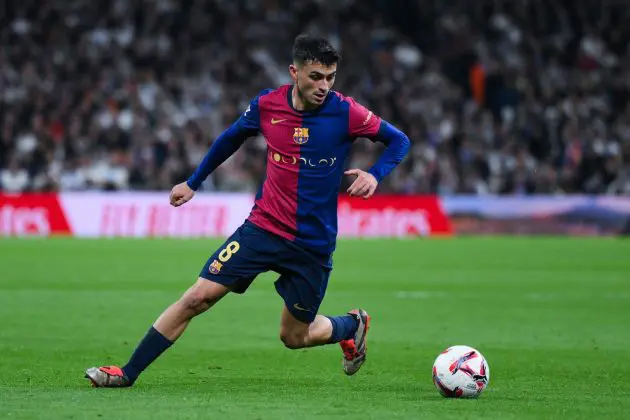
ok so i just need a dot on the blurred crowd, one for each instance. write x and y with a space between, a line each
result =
497 96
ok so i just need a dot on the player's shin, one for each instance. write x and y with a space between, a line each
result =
169 327
150 348
176 318
195 301
164 332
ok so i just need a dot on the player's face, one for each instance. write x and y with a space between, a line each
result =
313 80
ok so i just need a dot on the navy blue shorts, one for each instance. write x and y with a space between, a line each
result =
251 251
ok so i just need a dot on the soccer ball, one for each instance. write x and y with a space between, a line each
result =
461 372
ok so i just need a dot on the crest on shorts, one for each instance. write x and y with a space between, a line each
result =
215 267
300 135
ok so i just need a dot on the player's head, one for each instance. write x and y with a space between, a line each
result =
314 68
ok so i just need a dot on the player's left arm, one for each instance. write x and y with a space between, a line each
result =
363 123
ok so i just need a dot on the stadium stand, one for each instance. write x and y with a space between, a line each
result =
498 97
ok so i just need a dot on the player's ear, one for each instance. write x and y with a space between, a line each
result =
293 72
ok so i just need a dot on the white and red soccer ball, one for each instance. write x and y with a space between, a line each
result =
461 372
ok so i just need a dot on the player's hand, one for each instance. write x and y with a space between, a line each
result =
180 194
365 184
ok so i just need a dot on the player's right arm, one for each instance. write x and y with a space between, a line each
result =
224 146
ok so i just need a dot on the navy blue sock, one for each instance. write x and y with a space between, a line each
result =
343 327
152 345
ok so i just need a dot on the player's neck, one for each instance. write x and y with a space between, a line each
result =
299 103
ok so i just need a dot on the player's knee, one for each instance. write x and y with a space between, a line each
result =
292 340
194 302
201 297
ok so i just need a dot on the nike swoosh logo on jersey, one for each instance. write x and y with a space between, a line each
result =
274 121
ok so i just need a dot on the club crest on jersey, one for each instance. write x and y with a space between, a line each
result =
215 267
300 135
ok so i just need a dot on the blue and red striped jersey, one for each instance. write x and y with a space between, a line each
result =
306 153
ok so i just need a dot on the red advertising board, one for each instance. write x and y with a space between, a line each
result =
392 216
148 214
32 215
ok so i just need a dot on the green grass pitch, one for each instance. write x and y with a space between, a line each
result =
552 316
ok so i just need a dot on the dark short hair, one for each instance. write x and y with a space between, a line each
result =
312 48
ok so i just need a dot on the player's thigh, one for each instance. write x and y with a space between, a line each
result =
302 286
237 262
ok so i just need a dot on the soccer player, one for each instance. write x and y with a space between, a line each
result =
292 228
